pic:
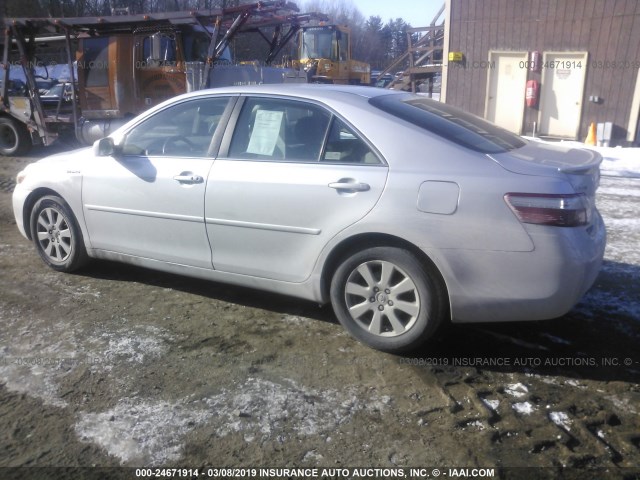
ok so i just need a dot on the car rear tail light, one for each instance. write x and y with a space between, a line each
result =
560 210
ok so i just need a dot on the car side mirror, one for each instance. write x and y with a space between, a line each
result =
105 147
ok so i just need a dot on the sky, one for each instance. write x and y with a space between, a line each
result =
418 13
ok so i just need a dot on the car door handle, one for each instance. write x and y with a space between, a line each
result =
188 178
350 186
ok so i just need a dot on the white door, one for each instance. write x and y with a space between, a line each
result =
633 132
505 89
148 200
295 177
563 76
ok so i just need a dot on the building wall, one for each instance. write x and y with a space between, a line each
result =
609 30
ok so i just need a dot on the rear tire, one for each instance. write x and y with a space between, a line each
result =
386 299
56 235
14 137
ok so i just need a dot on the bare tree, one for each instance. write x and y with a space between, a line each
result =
372 47
24 8
372 41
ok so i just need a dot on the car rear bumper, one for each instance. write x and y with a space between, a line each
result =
492 286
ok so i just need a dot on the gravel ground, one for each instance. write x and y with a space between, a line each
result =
119 366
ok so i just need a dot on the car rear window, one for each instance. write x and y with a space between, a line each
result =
449 122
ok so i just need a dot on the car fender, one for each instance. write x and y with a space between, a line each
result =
60 175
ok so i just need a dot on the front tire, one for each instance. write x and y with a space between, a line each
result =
387 299
56 235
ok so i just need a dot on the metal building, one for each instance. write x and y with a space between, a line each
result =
553 66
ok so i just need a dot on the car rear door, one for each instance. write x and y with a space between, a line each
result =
289 178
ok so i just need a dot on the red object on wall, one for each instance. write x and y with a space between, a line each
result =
531 93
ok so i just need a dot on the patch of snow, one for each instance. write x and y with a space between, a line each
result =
295 319
268 406
41 353
543 378
312 456
141 432
622 404
33 382
491 404
133 347
623 223
561 419
620 192
574 383
345 350
523 408
516 390
620 162
477 424
36 357
83 290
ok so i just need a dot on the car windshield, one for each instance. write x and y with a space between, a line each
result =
449 122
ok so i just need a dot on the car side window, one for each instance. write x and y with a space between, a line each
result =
345 146
282 130
184 130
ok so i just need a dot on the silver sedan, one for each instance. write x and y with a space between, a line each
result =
402 212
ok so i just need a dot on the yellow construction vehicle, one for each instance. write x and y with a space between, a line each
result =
324 52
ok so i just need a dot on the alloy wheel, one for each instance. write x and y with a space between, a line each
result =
382 298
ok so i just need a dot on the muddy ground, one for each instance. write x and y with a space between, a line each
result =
122 366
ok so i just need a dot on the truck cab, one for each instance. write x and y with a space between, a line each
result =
121 75
324 52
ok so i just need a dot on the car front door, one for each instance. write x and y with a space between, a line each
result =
292 176
148 200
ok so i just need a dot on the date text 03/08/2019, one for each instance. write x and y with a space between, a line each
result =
313 472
